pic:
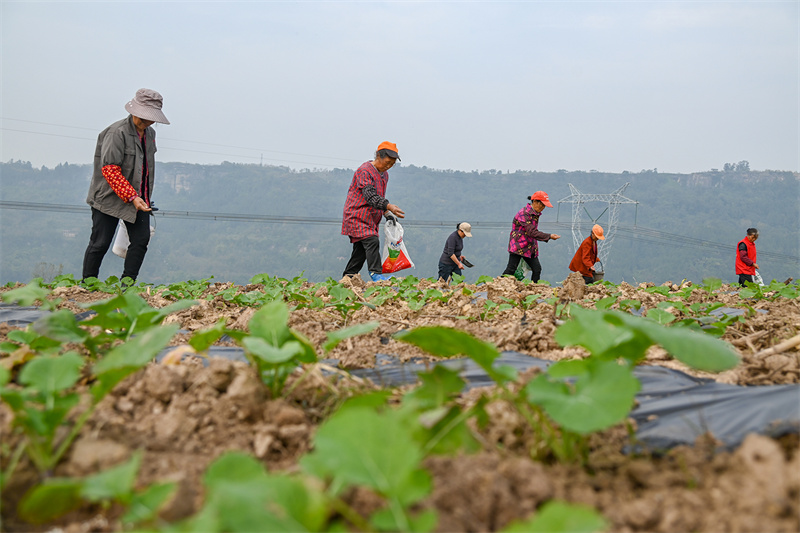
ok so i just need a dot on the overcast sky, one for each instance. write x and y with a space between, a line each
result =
611 86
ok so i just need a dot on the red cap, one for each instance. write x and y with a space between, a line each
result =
389 147
542 197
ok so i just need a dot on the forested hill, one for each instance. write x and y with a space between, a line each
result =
684 226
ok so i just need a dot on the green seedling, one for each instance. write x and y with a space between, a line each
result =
240 497
127 314
359 446
30 294
273 348
773 291
335 337
57 496
561 517
345 301
443 424
191 289
46 400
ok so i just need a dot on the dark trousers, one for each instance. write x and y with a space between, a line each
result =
446 270
745 277
533 262
365 250
103 227
588 280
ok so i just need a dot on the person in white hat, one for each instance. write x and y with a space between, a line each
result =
586 255
451 259
122 183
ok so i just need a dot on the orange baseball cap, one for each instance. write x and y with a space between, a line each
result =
542 197
391 148
597 231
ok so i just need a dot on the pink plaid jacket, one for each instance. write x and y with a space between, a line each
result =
525 233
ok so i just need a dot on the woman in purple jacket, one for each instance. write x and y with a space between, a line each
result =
523 242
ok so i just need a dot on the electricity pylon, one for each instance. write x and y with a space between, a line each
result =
580 229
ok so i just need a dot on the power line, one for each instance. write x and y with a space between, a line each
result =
634 233
316 156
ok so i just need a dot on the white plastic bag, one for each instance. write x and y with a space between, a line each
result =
122 241
395 255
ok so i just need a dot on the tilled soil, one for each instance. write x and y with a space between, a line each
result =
185 415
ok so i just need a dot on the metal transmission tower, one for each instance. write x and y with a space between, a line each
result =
614 200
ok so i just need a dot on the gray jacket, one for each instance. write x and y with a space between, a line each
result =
119 144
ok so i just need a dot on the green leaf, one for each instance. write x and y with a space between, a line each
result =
115 483
438 386
660 316
711 284
241 497
26 296
603 396
60 325
270 323
605 303
127 358
52 374
447 342
145 505
560 517
484 279
335 337
592 331
696 349
359 446
272 354
51 499
203 339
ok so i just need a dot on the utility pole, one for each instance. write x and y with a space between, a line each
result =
614 200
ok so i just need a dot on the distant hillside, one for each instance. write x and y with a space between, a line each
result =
686 225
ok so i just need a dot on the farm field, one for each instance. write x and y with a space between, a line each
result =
282 436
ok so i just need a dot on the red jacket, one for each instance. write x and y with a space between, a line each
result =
585 257
741 266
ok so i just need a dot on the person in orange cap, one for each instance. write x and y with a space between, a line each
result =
524 240
364 207
586 255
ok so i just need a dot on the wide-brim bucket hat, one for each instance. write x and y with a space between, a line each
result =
147 106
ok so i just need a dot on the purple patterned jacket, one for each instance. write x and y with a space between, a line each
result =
525 233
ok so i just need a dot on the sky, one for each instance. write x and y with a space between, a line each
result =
609 86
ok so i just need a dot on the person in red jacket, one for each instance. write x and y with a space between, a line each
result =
586 255
746 256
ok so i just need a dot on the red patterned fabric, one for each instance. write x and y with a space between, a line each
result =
118 183
361 219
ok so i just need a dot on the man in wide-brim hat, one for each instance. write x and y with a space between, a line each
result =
122 183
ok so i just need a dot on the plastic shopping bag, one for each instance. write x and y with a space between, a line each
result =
122 241
395 255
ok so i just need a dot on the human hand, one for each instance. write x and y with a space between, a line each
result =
554 236
140 204
396 210
755 265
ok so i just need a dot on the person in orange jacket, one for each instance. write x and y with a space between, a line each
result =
586 255
746 257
